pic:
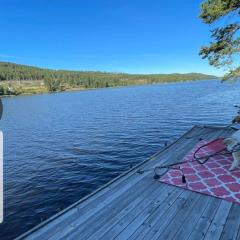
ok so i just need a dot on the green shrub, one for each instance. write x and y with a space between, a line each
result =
52 85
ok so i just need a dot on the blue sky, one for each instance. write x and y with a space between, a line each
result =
135 36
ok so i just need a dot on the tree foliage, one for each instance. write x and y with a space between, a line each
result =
226 45
52 85
57 80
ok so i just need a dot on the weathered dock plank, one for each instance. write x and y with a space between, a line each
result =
135 206
217 225
232 225
201 226
149 222
129 224
183 225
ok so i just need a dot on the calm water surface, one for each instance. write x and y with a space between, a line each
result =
60 147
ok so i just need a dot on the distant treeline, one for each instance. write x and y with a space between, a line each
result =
57 80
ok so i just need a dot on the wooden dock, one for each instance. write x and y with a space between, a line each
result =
136 206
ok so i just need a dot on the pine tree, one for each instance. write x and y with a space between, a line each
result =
226 45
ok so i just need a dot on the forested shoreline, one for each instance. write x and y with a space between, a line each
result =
18 79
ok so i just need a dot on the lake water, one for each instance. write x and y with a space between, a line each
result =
60 147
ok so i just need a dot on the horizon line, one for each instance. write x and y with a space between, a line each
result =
105 71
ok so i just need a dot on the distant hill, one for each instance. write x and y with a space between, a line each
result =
53 79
